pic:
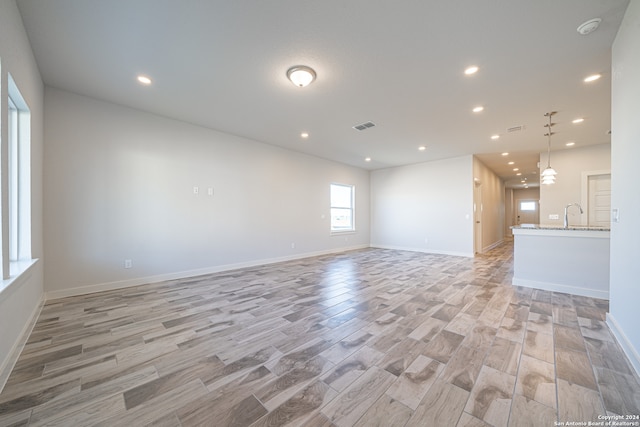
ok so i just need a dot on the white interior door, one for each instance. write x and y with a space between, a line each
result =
527 211
599 206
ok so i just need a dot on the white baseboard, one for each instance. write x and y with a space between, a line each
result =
493 245
9 363
624 342
101 287
423 250
556 287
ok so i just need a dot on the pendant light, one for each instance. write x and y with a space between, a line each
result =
548 176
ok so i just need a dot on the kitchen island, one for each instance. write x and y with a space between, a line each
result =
573 260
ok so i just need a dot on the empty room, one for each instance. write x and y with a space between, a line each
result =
298 213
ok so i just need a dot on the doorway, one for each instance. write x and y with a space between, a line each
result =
527 211
477 217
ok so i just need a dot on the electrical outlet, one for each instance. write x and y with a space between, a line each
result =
128 263
554 216
196 190
293 246
210 191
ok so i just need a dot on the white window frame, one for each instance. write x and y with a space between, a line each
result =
351 208
528 205
16 187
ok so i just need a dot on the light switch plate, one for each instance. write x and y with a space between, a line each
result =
615 215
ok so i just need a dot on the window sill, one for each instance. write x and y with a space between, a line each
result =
340 233
20 272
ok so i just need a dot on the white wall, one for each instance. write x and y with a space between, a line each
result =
625 196
20 302
570 165
424 207
119 185
493 205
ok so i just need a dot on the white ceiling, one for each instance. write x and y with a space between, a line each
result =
222 64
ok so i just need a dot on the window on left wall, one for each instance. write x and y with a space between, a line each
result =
16 225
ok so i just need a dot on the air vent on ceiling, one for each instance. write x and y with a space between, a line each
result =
515 129
364 126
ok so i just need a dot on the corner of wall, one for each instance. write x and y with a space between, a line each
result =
7 364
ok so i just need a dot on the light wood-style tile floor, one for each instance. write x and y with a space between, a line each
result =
367 338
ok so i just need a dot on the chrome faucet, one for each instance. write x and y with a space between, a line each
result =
566 209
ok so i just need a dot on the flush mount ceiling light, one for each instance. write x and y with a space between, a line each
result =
589 26
549 174
422 148
495 136
301 75
304 135
478 109
367 159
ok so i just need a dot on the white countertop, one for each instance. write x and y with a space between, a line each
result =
559 227
556 230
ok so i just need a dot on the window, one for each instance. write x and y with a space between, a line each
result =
527 206
342 202
16 240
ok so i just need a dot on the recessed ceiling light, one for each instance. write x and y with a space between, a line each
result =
367 159
304 135
516 169
478 109
422 148
471 70
510 163
592 78
495 136
589 26
505 154
144 80
578 120
570 144
519 173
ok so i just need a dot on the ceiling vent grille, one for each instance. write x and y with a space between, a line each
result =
364 126
515 129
